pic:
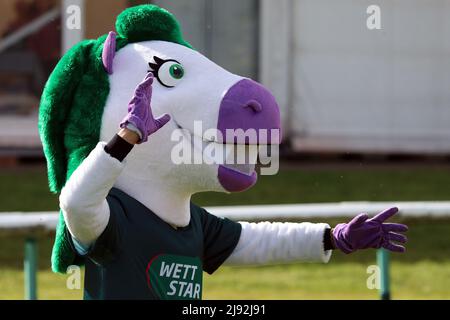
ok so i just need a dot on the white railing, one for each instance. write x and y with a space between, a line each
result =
48 220
21 221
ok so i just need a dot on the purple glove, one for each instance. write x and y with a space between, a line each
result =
140 118
362 233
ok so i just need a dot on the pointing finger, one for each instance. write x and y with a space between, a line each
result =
386 214
145 85
148 78
162 121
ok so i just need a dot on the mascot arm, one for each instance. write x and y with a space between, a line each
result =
266 242
83 198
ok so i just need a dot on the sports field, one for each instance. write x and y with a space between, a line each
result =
421 273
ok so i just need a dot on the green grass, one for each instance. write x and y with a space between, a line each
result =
422 273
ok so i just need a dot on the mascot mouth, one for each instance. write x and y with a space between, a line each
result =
237 176
235 181
236 162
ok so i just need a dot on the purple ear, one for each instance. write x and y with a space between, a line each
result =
109 51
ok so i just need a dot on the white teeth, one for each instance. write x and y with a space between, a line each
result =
240 158
242 154
253 154
229 154
219 153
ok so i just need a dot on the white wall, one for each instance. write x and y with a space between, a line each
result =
343 87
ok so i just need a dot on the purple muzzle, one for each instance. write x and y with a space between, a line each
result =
248 114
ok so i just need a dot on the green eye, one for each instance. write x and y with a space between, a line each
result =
176 71
168 72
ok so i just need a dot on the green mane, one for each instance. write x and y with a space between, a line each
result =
74 98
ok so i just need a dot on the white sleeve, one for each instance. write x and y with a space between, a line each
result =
266 242
83 198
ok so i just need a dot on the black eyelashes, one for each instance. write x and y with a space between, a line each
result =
154 68
158 60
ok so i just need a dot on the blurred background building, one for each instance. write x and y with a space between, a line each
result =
341 87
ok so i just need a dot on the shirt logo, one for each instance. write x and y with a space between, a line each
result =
174 277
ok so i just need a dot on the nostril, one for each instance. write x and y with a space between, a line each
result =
254 105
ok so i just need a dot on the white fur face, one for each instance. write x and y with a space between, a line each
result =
196 97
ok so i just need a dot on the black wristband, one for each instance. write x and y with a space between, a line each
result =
327 242
118 148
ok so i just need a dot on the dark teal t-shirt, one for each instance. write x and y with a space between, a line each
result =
139 256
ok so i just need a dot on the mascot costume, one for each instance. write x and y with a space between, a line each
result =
107 115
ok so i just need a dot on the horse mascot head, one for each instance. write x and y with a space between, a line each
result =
212 112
